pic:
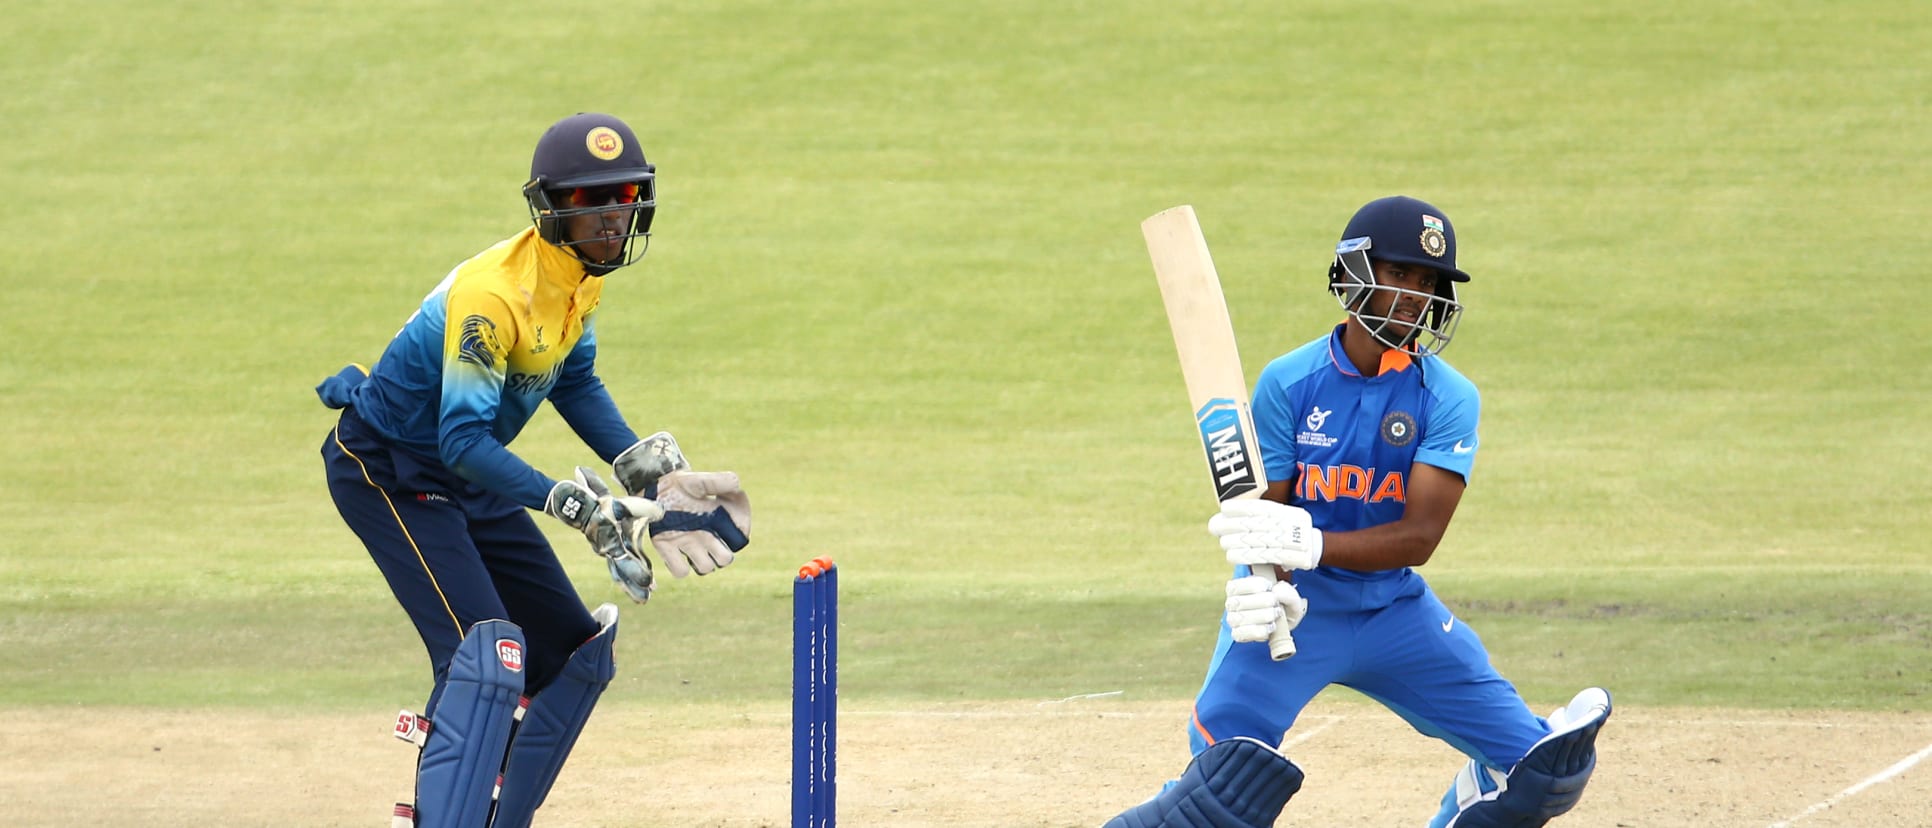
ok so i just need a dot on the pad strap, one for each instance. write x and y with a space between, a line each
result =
457 772
551 723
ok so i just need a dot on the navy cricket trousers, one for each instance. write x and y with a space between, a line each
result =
453 553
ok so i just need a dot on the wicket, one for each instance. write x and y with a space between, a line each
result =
815 691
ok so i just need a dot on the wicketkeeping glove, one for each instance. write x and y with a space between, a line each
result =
617 527
707 517
1258 604
633 573
1258 532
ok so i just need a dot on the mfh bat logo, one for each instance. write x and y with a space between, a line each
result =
1224 435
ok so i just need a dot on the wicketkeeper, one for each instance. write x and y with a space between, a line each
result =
418 467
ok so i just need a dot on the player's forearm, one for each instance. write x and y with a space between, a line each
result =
1388 546
590 412
482 460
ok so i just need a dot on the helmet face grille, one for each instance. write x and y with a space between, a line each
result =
552 223
1352 279
1409 231
584 152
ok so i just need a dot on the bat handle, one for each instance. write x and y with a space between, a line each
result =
1281 642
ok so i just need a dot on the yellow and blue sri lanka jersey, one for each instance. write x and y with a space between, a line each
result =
505 330
1347 441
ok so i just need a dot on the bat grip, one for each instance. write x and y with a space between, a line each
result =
1281 642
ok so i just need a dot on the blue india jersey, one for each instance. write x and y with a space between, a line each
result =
1347 442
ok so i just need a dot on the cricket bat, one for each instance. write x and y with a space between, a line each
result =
1217 390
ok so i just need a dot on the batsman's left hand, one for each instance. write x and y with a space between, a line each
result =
1261 532
1257 605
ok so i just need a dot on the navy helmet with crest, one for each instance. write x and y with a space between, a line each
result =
1410 231
592 163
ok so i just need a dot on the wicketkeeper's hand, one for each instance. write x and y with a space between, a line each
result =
707 516
1261 532
1258 604
617 527
633 573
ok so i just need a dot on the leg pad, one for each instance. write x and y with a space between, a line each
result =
463 750
1549 780
1234 783
551 723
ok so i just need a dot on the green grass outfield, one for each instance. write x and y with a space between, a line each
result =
898 285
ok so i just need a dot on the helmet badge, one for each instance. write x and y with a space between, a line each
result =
604 143
1433 242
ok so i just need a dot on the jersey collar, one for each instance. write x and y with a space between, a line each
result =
1394 360
558 264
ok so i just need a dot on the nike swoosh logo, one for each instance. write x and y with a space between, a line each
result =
1459 448
1447 624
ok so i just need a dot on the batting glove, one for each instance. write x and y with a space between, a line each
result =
616 527
707 515
1258 531
1257 605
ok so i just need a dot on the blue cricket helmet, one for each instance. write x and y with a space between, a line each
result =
589 151
1407 230
1410 231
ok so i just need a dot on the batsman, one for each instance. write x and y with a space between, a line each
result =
418 466
1368 438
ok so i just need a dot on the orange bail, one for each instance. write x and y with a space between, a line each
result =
818 566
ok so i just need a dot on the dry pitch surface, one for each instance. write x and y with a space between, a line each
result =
1062 763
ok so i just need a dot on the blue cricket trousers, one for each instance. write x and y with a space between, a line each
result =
453 553
1403 648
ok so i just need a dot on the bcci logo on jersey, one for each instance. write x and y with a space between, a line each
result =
1226 436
